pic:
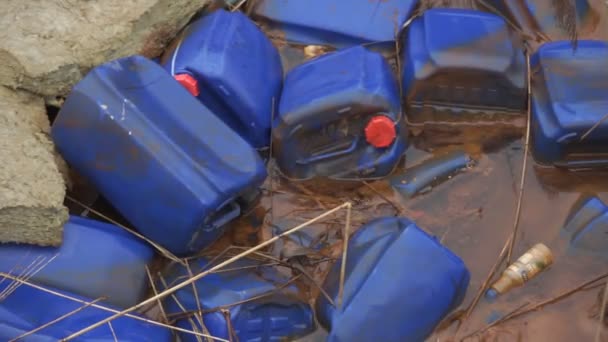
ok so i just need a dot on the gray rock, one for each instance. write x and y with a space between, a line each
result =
47 46
32 189
20 110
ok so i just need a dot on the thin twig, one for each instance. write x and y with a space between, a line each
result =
181 307
158 247
199 315
270 165
600 325
344 255
160 303
112 331
523 168
56 320
203 274
104 308
26 275
485 284
386 199
237 6
594 127
509 314
552 300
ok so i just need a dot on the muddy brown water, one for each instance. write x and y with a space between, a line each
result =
472 213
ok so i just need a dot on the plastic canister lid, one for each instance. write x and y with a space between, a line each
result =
380 131
188 82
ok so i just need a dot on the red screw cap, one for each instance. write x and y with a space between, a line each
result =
380 131
188 82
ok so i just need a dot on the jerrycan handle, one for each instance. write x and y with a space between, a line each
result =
225 215
331 153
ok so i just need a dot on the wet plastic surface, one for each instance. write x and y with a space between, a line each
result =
236 70
587 227
542 16
429 172
277 316
339 23
28 308
164 161
568 99
95 260
326 122
461 65
400 282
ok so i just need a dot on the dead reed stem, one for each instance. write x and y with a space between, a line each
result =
344 255
56 320
104 308
523 168
541 304
160 304
158 247
600 324
203 274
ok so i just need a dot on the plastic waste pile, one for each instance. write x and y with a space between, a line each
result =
180 148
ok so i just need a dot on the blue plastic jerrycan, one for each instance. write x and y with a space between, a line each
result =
340 118
233 69
338 23
28 308
461 66
587 227
278 314
544 17
400 282
95 260
570 104
161 158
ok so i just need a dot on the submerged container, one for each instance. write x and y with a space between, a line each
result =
338 23
278 314
233 69
339 118
461 66
95 260
587 227
569 104
400 282
27 308
161 158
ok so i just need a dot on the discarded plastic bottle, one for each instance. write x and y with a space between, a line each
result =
339 118
569 104
26 308
276 315
233 69
95 260
162 159
400 282
429 172
462 66
534 261
337 23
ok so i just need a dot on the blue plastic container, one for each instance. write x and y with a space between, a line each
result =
400 282
233 69
95 260
461 66
543 16
569 98
587 227
161 158
339 118
280 315
28 308
339 23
